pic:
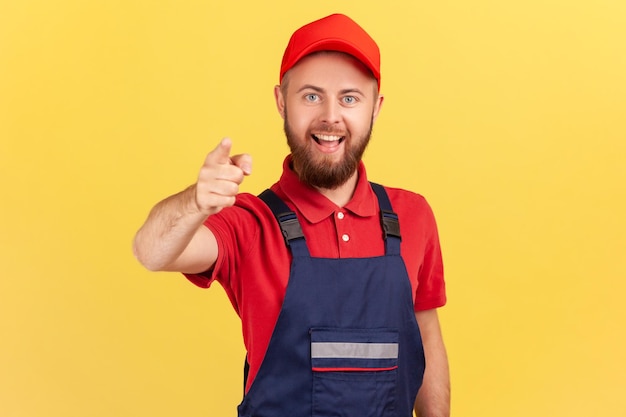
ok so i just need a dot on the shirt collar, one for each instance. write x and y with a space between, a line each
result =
315 207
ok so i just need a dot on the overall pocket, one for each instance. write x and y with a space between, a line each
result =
354 372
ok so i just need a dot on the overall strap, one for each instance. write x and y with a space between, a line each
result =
288 222
388 220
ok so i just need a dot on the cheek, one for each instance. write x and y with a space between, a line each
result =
299 119
359 121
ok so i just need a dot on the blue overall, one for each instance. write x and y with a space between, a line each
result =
346 342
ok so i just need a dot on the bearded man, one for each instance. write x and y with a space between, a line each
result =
337 280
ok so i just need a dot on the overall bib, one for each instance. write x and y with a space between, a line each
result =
346 342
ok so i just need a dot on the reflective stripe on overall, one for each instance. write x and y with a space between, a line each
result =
346 342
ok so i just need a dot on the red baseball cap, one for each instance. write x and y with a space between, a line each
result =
336 32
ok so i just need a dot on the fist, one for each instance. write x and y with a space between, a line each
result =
220 177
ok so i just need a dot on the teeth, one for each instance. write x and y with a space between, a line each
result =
328 138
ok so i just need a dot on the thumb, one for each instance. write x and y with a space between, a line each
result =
243 161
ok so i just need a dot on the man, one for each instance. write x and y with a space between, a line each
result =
330 274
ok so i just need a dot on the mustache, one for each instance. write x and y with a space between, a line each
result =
327 129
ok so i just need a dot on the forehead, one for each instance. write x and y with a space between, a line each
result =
327 69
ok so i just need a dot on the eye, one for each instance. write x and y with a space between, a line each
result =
349 99
311 97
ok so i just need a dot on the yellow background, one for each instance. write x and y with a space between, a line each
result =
508 116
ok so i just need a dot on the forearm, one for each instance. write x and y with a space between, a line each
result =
173 238
433 398
168 231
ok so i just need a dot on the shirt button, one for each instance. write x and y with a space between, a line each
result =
345 238
340 215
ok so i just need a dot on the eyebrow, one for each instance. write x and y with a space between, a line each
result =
321 90
310 87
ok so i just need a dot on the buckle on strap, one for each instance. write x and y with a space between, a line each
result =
390 224
290 226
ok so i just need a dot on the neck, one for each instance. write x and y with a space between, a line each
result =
342 194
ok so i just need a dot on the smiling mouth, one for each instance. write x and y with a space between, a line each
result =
328 140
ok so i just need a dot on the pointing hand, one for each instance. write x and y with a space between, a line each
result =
219 178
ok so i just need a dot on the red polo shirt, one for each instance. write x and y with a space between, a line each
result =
253 263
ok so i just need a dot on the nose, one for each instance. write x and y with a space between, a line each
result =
331 112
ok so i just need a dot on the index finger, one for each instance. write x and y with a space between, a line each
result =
221 153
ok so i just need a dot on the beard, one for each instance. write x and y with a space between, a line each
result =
321 171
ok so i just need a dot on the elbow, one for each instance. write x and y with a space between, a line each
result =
143 257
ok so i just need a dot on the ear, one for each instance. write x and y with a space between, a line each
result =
280 100
377 106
